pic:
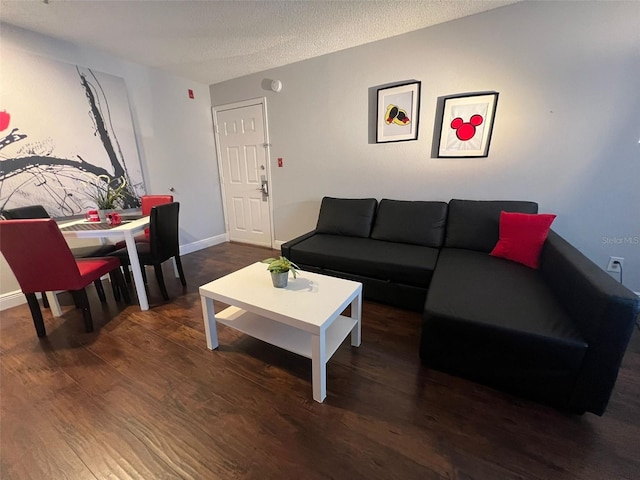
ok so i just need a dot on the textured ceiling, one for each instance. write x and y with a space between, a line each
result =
212 41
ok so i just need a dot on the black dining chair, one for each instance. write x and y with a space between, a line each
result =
163 245
38 211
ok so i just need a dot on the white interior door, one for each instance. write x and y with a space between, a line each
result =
244 170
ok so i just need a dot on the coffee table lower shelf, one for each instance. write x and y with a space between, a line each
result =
285 336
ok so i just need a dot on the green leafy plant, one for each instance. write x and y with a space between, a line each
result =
107 193
281 265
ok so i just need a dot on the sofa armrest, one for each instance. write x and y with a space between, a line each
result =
603 310
285 248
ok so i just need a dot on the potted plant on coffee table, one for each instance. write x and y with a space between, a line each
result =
279 268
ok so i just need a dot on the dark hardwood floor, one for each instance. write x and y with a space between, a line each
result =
142 397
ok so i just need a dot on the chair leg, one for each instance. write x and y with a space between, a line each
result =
38 321
119 286
163 289
126 273
45 300
82 301
183 280
100 290
114 286
143 270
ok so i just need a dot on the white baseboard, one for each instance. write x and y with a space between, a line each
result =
12 299
201 244
277 244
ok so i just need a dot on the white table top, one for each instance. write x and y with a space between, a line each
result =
116 232
307 303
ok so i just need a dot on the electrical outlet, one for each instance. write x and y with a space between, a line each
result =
615 264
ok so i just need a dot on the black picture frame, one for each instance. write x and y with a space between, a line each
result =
467 125
398 112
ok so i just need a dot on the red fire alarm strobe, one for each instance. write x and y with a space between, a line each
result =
191 94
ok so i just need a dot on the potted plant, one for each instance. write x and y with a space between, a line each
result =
279 268
107 193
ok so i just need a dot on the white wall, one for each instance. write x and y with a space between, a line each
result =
174 134
566 132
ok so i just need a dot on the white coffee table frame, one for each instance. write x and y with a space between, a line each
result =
304 318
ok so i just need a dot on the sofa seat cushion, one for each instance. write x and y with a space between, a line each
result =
396 262
496 321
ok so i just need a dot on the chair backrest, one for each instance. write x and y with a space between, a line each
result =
164 231
31 211
38 255
150 201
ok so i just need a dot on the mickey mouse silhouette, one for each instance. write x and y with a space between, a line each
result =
466 131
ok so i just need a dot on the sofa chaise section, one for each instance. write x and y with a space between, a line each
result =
556 334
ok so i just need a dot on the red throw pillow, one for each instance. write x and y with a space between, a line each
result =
522 236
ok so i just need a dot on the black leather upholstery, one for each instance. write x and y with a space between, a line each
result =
496 321
475 224
417 222
389 261
346 216
163 244
557 334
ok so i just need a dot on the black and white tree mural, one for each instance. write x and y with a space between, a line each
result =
62 135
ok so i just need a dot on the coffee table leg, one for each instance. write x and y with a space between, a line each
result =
319 366
209 316
356 314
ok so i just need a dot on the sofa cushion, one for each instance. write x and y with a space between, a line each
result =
496 321
396 262
415 222
474 224
522 236
346 216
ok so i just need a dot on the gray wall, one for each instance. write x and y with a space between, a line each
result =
174 136
566 132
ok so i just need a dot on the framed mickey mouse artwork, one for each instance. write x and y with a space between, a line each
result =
467 124
397 115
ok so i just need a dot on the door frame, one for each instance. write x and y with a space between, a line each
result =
267 145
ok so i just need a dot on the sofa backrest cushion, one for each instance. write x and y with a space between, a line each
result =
475 224
414 222
346 216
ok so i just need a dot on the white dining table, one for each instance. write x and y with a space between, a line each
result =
126 231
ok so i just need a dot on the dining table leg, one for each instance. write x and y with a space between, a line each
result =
54 304
136 269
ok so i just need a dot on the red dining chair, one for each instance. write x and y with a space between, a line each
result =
41 261
38 211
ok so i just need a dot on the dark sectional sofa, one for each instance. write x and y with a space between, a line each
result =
556 334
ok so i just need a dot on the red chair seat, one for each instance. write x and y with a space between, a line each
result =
93 268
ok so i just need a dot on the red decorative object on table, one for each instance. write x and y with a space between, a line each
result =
92 216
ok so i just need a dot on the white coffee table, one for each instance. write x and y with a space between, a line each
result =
303 318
